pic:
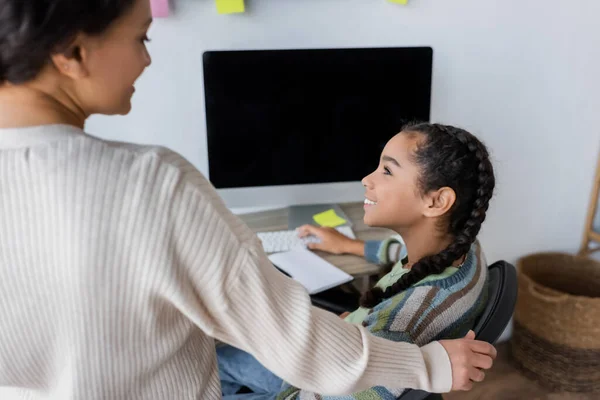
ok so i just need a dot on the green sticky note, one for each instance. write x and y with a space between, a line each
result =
329 219
230 6
399 1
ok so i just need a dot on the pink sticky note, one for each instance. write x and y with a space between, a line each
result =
160 8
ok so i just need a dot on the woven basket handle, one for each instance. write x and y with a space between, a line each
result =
543 294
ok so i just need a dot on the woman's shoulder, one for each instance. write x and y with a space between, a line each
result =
137 157
163 154
160 171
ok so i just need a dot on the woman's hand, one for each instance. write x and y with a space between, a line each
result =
332 241
468 357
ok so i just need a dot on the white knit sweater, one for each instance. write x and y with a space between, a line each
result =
120 265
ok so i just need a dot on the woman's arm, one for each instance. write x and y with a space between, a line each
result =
230 290
394 320
259 310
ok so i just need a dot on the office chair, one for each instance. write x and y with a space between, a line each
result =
337 300
494 319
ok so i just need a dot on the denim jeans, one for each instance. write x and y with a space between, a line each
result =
238 369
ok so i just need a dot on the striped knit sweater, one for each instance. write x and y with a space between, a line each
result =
443 306
120 265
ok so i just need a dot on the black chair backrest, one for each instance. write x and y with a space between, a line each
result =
502 298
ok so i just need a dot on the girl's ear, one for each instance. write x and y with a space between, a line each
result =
438 202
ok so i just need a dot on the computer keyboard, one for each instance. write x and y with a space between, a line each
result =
277 241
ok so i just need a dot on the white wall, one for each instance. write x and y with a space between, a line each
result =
524 76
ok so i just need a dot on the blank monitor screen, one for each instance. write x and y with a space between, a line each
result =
289 117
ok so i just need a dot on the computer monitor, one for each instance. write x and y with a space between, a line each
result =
293 127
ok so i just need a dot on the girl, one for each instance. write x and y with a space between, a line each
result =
433 186
119 263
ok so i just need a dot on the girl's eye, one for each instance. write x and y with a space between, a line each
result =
386 171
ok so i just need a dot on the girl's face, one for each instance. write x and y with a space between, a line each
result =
392 195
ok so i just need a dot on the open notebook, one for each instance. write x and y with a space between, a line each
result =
314 273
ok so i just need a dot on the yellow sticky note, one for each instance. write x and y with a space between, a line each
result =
230 6
329 218
399 1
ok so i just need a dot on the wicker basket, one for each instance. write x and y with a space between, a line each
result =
556 337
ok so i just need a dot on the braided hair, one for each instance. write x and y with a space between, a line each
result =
454 158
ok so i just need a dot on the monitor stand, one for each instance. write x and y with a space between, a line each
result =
302 215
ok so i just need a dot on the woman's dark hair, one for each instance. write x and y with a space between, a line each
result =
454 158
32 30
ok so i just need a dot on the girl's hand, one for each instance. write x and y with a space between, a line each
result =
332 241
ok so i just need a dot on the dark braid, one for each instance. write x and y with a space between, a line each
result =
448 157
